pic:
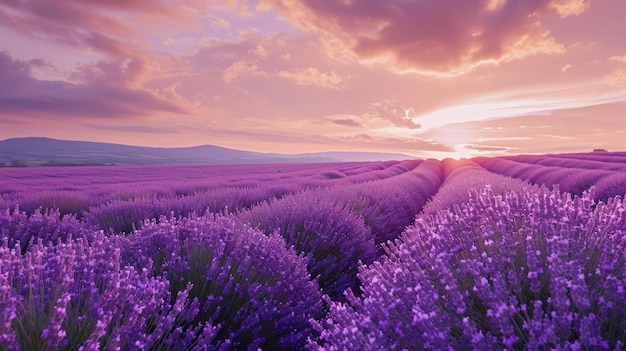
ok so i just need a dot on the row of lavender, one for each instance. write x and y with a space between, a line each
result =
211 281
267 273
74 190
118 199
573 173
528 270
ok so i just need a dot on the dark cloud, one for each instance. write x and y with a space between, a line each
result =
444 36
101 92
105 26
347 122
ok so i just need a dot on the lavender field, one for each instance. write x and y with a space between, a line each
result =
515 253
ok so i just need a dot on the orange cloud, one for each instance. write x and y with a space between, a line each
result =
312 76
618 59
240 69
439 37
569 7
616 78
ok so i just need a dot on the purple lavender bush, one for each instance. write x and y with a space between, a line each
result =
607 183
47 225
463 175
125 216
607 187
612 165
255 290
390 169
77 295
504 166
530 270
331 237
63 201
389 205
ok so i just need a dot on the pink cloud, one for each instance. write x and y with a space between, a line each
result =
101 91
618 59
218 54
569 7
346 121
241 69
109 27
410 145
433 36
488 148
312 76
271 56
390 111
616 78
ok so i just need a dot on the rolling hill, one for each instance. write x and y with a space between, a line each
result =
35 151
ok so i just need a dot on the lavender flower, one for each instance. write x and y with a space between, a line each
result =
462 175
251 286
608 187
608 181
528 270
17 226
390 204
332 238
76 295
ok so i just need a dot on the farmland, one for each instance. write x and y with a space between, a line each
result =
518 252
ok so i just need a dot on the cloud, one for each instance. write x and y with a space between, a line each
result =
567 67
617 78
569 7
403 144
487 148
219 54
103 91
533 102
571 129
618 59
390 111
312 76
103 55
293 60
378 116
260 52
346 121
440 37
100 25
241 69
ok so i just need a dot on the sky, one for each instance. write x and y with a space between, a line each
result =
427 78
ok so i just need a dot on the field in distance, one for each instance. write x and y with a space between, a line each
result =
519 252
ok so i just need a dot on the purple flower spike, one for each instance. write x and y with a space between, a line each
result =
251 287
533 269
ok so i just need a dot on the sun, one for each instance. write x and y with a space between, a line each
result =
462 151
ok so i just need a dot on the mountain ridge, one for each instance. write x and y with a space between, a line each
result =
41 151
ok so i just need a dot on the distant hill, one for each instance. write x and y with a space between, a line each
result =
36 151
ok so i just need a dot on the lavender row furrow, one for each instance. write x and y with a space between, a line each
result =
564 162
530 270
464 175
606 184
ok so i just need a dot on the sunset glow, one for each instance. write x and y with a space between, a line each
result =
432 78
